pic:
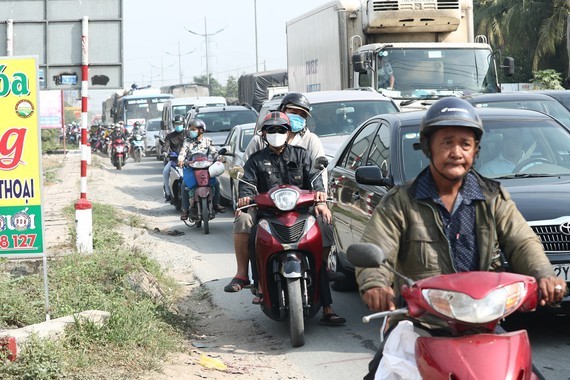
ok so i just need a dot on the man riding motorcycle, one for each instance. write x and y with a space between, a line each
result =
450 218
172 143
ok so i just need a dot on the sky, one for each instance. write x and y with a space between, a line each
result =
156 38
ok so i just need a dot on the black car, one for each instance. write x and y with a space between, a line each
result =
563 96
531 100
539 185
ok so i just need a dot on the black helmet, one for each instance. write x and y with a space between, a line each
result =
448 112
137 124
198 124
276 118
296 100
178 120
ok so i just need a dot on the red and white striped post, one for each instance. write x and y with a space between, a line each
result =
83 209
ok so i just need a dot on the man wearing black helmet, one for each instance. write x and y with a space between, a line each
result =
450 218
172 143
266 168
298 109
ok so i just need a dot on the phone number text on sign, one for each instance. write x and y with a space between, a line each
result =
23 241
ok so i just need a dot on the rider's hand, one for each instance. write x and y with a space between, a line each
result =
180 164
323 210
243 201
320 196
552 290
379 299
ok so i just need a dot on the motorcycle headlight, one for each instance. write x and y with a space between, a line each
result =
462 307
200 164
285 199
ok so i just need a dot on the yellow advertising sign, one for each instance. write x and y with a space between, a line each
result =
21 218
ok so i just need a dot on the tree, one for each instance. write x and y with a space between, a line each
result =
214 86
547 80
534 29
231 89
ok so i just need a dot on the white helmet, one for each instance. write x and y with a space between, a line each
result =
216 169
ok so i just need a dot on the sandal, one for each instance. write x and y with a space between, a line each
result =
332 319
219 209
236 284
257 300
184 215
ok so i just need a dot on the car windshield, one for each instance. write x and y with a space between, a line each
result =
508 150
223 121
153 125
550 107
342 117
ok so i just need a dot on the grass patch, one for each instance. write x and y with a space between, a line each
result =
142 327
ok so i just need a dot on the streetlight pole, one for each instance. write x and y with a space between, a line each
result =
161 68
256 51
206 35
180 61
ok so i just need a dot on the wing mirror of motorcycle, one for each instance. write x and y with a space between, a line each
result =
368 255
321 163
236 172
224 152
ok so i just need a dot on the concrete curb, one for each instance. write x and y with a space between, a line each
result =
52 329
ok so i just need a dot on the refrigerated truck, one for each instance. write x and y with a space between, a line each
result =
429 45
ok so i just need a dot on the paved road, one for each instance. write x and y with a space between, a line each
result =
329 352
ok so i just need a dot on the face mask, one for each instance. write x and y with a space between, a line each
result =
193 134
297 122
179 128
296 140
276 140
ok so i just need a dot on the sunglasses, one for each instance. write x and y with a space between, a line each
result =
273 130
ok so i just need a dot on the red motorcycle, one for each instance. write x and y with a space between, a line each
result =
288 247
470 304
119 153
199 175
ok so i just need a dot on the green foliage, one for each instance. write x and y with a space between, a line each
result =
50 140
231 89
141 329
547 80
39 359
214 86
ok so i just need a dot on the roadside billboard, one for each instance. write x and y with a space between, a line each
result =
50 109
21 217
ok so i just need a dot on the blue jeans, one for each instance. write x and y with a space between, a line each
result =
165 178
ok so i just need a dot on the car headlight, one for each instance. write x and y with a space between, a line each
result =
285 199
462 307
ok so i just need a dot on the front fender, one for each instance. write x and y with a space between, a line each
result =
292 265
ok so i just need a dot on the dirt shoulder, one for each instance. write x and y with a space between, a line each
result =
241 347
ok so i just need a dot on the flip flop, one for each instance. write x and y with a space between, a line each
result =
332 319
236 284
257 300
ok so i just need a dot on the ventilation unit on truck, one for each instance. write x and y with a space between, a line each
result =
396 16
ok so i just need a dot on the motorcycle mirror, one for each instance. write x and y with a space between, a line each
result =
321 163
236 171
365 255
222 152
368 255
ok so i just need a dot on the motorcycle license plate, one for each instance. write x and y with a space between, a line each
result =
563 271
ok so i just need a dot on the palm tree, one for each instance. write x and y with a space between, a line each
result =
532 28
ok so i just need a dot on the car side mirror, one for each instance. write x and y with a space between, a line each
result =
508 66
372 175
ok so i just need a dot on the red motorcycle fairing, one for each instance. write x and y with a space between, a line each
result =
478 356
291 250
202 177
202 192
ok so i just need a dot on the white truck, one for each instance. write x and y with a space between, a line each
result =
429 46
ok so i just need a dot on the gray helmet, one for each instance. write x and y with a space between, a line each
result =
449 112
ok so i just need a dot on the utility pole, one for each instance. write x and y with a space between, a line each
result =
256 51
206 35
162 69
180 61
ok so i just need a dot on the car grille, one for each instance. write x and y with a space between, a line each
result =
552 239
289 234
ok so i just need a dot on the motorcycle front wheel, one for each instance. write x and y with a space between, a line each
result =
137 155
296 322
205 215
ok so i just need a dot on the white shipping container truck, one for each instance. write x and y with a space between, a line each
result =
429 46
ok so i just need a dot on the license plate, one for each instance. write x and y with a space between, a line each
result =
562 271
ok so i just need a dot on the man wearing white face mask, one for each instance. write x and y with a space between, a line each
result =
172 143
298 109
266 168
